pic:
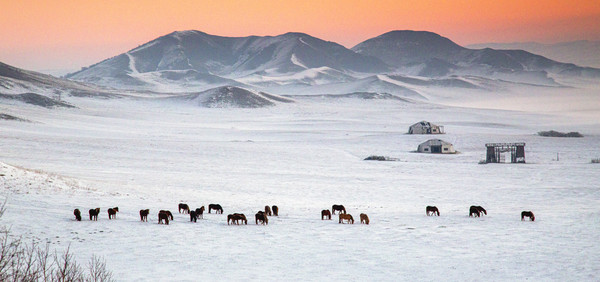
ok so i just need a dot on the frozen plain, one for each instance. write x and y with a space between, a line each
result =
304 157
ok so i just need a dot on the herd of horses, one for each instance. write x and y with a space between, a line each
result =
263 216
342 215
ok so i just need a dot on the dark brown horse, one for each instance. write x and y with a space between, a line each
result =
347 217
432 210
77 214
216 207
364 218
275 210
268 211
112 213
184 207
200 212
262 217
476 211
325 214
193 216
528 214
169 214
339 208
94 214
163 216
144 215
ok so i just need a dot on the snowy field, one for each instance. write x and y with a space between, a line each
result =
304 157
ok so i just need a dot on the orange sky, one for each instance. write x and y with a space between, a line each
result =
66 34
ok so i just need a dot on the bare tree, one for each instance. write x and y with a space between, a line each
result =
23 262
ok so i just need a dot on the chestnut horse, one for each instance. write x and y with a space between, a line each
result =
268 211
94 214
216 207
339 208
236 217
77 214
432 210
112 213
347 217
528 214
262 217
275 210
169 214
364 218
475 211
200 212
325 214
144 215
163 216
184 207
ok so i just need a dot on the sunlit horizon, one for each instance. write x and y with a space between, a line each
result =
70 35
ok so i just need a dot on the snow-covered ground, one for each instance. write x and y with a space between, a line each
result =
304 157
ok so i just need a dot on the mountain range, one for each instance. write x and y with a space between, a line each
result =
186 61
256 71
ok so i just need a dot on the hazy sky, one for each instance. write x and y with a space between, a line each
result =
70 34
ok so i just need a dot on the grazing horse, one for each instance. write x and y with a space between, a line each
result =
77 214
144 215
169 214
268 211
339 208
325 214
163 216
112 213
347 217
184 207
94 214
529 214
200 212
262 217
236 217
476 211
364 218
193 216
216 207
432 210
275 210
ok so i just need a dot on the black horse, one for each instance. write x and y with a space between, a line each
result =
339 208
144 215
476 211
193 216
77 214
94 214
112 213
528 214
432 210
163 216
216 207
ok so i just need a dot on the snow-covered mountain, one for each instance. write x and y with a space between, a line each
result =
297 63
581 52
214 60
428 54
